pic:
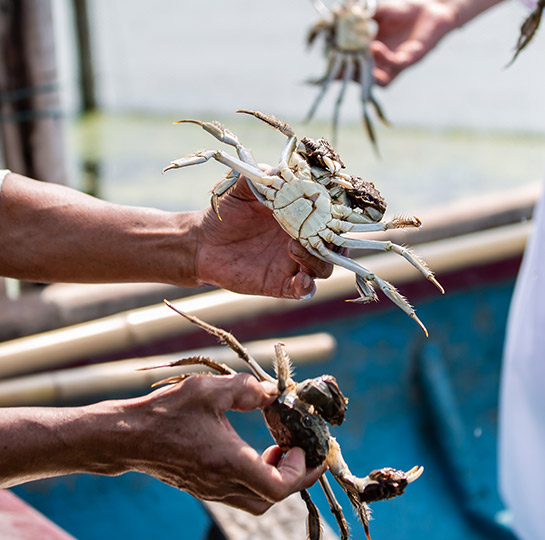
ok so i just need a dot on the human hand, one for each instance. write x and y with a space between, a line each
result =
248 252
180 435
407 31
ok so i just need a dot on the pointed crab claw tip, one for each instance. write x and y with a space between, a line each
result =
167 168
437 284
148 368
420 323
414 474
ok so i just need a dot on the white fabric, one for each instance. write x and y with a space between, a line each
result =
3 174
522 393
522 397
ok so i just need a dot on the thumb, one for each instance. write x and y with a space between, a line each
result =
292 467
243 392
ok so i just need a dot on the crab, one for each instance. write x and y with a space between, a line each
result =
529 28
314 202
348 30
299 417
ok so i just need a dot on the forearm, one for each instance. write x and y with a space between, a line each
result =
52 233
465 10
45 442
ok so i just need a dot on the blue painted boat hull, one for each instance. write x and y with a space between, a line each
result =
412 401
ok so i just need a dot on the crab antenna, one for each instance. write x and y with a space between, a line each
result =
231 342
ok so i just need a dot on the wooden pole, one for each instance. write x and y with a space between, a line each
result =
31 124
85 56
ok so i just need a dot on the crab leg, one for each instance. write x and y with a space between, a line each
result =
250 171
318 249
366 82
378 485
335 507
528 29
321 8
365 290
231 341
289 147
219 368
225 136
314 528
334 68
348 74
378 110
281 126
353 222
255 175
418 263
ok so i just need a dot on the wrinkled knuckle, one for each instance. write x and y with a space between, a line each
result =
278 493
245 381
195 383
325 271
199 386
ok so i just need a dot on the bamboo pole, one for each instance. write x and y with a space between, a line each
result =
114 379
31 122
221 308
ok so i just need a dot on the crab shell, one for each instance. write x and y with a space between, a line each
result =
292 423
353 27
300 414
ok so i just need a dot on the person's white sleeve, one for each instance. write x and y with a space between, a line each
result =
3 174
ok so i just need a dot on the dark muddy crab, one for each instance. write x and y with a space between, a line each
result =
314 201
300 417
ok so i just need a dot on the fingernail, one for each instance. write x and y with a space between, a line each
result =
307 282
297 249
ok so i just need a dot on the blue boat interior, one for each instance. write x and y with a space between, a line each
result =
412 401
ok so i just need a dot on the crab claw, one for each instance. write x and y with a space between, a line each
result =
387 483
216 130
194 159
